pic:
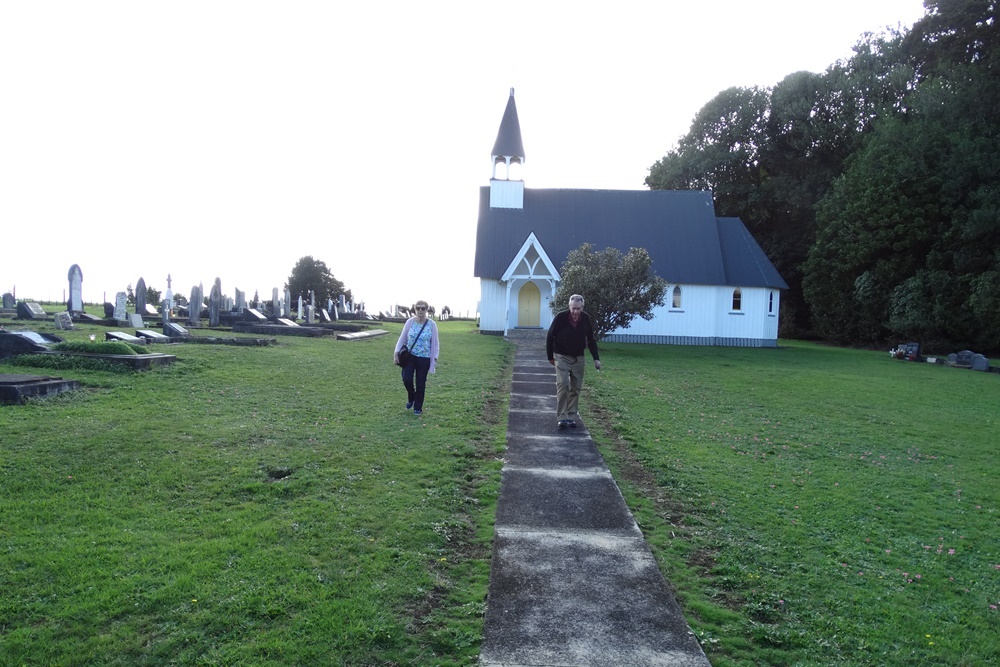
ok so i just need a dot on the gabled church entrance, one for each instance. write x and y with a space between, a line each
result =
529 305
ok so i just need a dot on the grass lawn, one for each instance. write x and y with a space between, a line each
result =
253 506
278 506
813 505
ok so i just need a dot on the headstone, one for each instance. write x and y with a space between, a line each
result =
151 335
253 315
343 303
911 351
135 319
312 297
8 301
75 304
286 309
288 323
194 306
121 335
29 310
140 296
961 359
166 314
310 314
324 316
241 300
980 363
174 330
215 303
300 308
64 321
274 302
109 310
121 301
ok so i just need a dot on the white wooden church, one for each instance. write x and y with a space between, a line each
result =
722 288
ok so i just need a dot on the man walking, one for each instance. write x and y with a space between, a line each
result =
571 331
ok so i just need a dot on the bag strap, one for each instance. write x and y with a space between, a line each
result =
421 331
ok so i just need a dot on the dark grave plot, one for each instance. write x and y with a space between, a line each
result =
19 388
122 336
29 310
25 342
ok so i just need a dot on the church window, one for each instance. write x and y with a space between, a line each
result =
677 296
737 299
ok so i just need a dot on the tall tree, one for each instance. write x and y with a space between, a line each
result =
617 288
314 275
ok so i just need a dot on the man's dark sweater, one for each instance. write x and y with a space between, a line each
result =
564 338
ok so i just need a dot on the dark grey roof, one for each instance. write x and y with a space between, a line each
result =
508 141
685 240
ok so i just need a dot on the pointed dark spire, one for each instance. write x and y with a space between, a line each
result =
508 144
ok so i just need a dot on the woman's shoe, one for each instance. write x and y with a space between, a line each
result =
409 405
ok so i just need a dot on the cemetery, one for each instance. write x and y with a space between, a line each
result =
276 480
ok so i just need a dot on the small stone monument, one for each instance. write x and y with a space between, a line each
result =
215 303
140 296
168 297
286 306
75 303
64 321
194 306
9 302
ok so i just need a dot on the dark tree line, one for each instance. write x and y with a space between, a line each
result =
874 187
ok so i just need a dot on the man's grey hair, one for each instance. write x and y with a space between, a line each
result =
576 298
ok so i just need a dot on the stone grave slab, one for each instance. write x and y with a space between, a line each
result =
362 335
18 388
135 319
174 329
150 335
253 315
287 323
29 310
25 342
122 336
64 321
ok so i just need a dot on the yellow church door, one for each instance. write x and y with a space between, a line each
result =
529 306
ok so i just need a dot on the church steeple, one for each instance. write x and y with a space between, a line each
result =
508 150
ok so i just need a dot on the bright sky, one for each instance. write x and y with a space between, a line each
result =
228 139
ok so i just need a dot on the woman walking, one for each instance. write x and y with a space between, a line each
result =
420 338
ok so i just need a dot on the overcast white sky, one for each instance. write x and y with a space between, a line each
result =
228 139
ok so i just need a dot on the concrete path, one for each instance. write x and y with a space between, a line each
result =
573 582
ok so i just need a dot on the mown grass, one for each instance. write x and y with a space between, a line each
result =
813 505
253 506
273 506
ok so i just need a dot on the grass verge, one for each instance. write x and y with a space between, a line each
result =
812 505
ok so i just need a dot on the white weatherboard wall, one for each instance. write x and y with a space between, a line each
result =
706 317
492 306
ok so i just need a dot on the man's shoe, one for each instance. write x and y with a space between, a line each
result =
571 422
409 405
563 423
418 412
